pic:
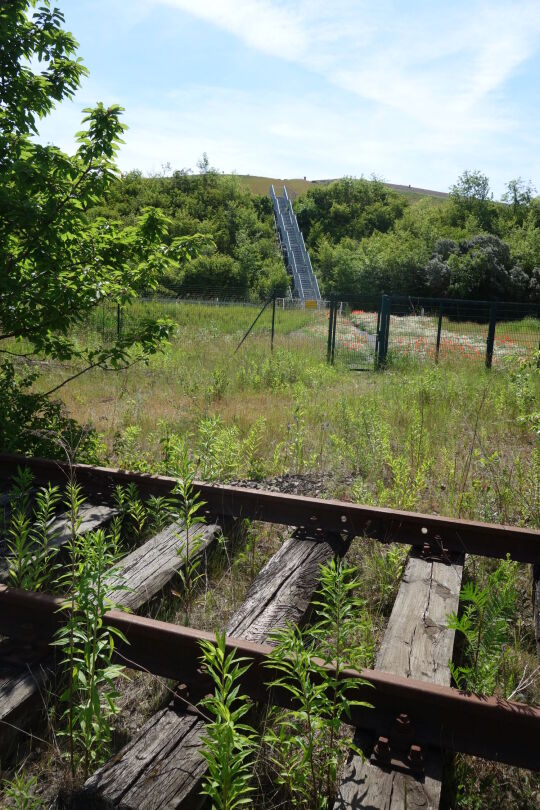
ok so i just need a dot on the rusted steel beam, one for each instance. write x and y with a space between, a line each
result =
441 717
536 605
386 525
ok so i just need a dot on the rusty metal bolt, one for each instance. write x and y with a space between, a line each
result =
402 726
416 758
181 696
382 749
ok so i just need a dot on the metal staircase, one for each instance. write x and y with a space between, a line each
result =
297 261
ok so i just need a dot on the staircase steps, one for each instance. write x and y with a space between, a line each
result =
295 255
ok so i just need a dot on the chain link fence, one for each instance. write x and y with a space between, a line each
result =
358 333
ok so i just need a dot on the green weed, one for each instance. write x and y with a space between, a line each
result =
132 513
32 534
486 626
306 744
183 506
86 645
20 791
228 743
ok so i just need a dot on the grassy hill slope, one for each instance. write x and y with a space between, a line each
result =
261 185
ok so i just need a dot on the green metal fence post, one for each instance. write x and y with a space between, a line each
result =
273 321
490 342
439 328
118 321
330 327
334 332
384 327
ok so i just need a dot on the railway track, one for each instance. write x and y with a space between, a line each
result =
411 680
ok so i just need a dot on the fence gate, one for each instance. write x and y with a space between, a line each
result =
353 329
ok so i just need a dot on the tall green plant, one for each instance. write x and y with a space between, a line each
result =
132 514
307 746
87 646
32 533
486 627
184 506
228 743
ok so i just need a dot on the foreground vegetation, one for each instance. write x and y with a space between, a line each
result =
278 759
450 438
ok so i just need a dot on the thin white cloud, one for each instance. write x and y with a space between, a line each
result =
270 27
437 65
281 136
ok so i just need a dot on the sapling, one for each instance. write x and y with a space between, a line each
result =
486 625
158 512
132 513
87 645
20 790
88 648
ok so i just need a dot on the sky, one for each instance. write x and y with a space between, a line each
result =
413 92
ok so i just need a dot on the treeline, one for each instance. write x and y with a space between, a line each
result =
364 238
239 255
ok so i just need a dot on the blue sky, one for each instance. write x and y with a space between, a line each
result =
414 92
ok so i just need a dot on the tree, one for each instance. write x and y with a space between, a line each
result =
472 186
518 196
348 208
57 265
471 195
482 268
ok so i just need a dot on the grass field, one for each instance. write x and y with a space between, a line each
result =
452 438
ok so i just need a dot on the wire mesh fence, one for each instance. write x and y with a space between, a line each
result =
447 329
358 333
403 329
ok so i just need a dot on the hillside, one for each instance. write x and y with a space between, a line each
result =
261 185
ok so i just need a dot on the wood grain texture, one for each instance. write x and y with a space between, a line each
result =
148 569
416 644
22 692
163 766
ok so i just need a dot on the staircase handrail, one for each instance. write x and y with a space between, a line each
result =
280 222
299 233
305 254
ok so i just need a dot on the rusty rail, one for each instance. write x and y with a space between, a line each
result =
439 534
492 728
